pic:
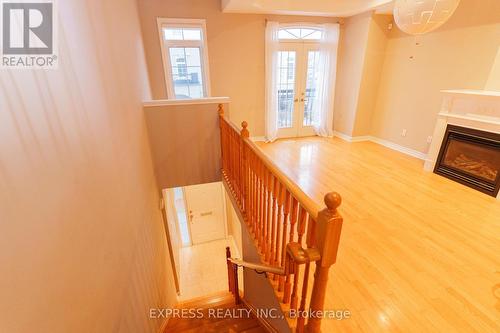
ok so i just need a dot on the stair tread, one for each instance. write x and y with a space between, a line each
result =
223 302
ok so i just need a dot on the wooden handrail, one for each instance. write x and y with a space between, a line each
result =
258 267
290 230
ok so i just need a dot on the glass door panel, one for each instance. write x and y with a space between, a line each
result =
289 85
311 87
287 64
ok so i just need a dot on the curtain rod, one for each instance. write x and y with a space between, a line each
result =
339 21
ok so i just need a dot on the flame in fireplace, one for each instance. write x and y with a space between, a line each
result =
476 167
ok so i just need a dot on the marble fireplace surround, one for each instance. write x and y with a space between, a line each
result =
476 109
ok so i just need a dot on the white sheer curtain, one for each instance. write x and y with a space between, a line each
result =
327 70
272 51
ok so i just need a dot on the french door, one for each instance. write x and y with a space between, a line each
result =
297 84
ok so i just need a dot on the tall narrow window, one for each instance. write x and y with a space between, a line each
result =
185 58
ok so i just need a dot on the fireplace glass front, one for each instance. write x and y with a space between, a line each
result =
471 157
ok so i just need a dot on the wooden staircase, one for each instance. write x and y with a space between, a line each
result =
293 234
223 302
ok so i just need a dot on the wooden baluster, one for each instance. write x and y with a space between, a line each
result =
289 269
252 187
256 197
249 190
226 148
259 199
293 219
310 236
230 158
249 161
274 212
265 200
222 132
233 160
302 307
249 180
262 206
294 297
288 277
300 232
279 224
246 188
257 204
327 238
286 212
270 210
301 228
237 164
311 232
244 134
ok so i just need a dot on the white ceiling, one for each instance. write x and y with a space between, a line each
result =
335 8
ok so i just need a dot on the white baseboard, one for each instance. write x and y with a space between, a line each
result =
349 138
401 149
343 136
385 143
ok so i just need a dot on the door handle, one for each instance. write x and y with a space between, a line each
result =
206 213
296 100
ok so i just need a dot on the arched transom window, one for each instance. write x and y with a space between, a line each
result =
298 33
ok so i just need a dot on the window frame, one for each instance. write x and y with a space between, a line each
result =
300 26
167 44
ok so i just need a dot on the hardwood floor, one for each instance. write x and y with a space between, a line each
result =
224 302
418 252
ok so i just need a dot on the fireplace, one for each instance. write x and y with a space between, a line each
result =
471 157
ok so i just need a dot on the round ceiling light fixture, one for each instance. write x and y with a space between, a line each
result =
417 17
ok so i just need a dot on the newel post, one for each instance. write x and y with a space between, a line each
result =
328 229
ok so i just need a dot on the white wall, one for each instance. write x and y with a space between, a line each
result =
82 244
462 54
352 50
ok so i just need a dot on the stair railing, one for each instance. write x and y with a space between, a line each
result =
289 228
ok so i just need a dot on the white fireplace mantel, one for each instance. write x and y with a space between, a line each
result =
477 109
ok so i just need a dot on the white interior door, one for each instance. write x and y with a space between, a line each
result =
297 82
206 212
